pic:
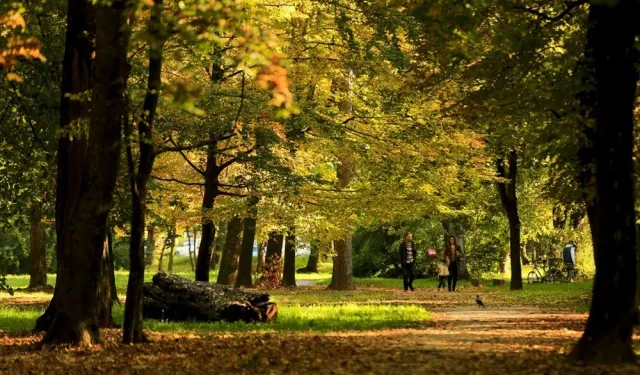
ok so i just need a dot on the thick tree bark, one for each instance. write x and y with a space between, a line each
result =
212 171
81 252
609 60
289 271
231 252
37 249
509 200
150 245
274 245
314 259
342 277
248 237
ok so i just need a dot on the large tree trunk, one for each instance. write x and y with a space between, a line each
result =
175 298
246 255
150 245
229 262
314 259
37 251
509 200
289 271
609 60
81 252
457 231
274 245
342 277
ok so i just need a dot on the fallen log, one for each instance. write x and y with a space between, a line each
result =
175 298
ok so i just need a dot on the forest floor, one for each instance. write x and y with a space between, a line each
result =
518 332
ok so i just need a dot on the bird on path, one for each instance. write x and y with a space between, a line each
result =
479 301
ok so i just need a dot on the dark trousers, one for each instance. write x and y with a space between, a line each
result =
442 279
453 276
408 274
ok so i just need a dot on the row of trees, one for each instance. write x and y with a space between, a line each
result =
479 116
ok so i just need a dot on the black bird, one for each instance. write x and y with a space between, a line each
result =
479 301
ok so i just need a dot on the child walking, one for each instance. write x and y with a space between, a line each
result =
443 272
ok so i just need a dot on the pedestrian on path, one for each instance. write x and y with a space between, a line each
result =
408 255
454 253
443 272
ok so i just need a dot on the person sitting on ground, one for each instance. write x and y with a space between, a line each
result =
443 272
408 255
454 253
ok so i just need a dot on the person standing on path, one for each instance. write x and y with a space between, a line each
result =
443 272
454 253
408 255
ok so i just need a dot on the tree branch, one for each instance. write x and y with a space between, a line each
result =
177 181
193 146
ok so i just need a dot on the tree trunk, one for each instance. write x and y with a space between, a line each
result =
212 172
342 277
82 209
609 60
112 269
229 262
218 246
38 251
164 247
314 258
274 245
246 255
150 247
262 247
523 254
193 268
457 231
133 326
509 200
172 248
289 271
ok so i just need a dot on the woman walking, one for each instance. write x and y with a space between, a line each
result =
408 254
453 252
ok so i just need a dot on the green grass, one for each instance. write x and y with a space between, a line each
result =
290 318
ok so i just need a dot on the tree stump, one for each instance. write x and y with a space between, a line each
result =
498 282
175 298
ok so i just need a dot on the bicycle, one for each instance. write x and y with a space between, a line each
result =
542 274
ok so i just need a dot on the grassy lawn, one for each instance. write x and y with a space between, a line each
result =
290 318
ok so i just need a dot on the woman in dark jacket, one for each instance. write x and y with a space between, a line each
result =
408 255
453 251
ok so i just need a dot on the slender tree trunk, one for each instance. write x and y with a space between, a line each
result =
509 200
81 253
289 271
262 247
133 326
212 172
248 237
150 247
164 247
218 246
193 268
229 262
37 252
112 268
172 248
609 59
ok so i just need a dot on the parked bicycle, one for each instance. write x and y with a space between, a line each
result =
543 273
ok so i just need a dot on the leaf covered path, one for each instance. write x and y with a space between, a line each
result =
460 339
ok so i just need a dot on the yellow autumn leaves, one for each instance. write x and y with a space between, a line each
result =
17 47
